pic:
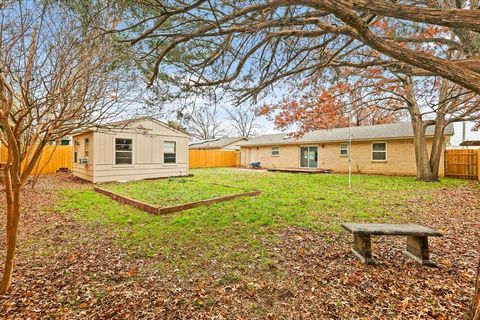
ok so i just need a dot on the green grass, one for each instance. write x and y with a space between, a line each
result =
240 232
174 191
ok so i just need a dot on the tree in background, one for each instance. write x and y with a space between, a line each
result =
243 118
55 77
317 107
201 117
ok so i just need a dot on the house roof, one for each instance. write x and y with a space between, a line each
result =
217 143
470 143
126 124
381 131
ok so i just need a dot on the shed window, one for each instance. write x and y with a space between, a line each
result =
85 150
379 151
275 151
75 151
169 152
123 151
343 149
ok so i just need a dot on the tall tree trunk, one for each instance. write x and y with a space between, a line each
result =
422 159
437 146
476 298
12 191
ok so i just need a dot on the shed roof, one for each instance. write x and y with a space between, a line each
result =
127 124
216 143
399 130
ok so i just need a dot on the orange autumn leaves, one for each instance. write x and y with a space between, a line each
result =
323 109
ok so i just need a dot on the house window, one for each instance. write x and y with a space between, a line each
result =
169 149
123 151
75 157
85 151
275 151
379 151
343 149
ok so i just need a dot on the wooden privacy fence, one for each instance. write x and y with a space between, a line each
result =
52 160
55 158
462 163
213 158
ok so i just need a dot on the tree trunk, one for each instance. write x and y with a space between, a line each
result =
422 159
12 192
476 298
437 146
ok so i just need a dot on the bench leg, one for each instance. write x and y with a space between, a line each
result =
362 248
417 249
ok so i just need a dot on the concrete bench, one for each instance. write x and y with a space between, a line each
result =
417 239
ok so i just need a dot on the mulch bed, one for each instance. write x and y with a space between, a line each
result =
313 274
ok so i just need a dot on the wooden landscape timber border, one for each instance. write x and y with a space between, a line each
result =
171 209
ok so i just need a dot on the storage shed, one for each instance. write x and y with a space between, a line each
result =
136 149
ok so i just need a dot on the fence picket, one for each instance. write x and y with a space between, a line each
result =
462 163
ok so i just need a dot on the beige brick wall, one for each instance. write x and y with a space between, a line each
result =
400 157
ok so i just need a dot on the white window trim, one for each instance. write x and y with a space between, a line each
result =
344 155
300 156
163 154
275 155
86 149
386 151
115 151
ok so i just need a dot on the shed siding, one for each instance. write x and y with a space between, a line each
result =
147 157
400 157
83 171
147 154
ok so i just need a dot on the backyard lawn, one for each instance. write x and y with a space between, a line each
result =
281 254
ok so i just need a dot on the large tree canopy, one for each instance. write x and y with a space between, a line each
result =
258 43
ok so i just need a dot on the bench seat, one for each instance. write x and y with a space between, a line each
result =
385 229
417 239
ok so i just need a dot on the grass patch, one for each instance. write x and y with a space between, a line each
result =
240 233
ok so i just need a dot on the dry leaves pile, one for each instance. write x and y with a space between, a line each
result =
69 270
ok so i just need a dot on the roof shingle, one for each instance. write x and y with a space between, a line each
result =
217 143
381 131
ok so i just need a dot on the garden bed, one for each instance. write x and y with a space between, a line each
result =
172 195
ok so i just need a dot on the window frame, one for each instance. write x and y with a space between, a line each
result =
344 149
308 146
174 152
86 148
115 152
278 151
380 151
75 150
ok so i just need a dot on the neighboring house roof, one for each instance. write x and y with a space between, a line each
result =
217 143
470 143
376 132
127 124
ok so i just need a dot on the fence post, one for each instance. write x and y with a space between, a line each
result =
478 164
